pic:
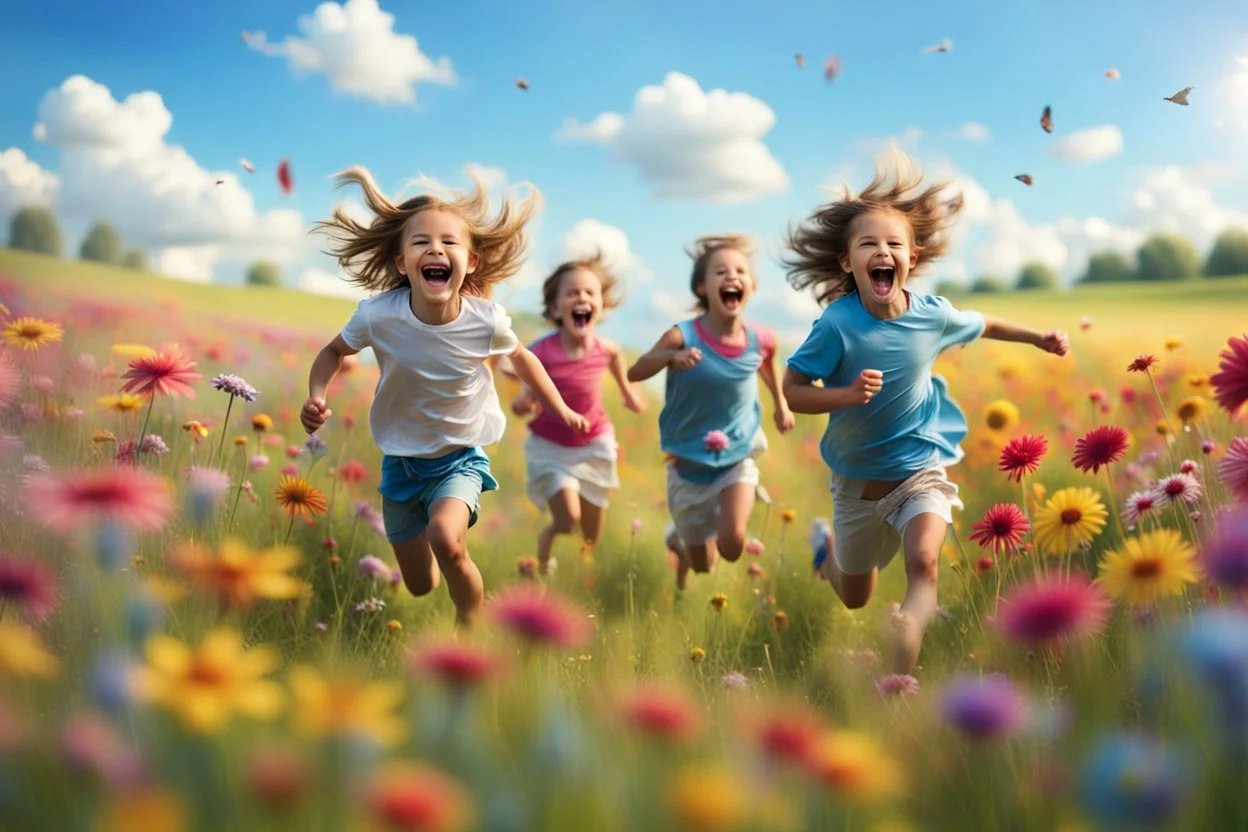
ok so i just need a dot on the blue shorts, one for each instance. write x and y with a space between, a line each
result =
410 486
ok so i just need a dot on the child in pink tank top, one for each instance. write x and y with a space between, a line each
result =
568 471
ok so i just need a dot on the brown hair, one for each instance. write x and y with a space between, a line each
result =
818 246
702 250
367 253
596 264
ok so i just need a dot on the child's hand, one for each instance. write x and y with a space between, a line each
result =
866 386
686 358
1055 341
634 400
525 403
574 420
314 414
785 420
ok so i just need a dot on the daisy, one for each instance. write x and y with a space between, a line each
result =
1176 488
1002 528
1100 447
1021 457
131 497
1142 364
1052 608
1001 415
1233 468
299 497
1230 383
31 334
168 373
346 707
1138 505
1070 518
237 575
540 618
28 585
1149 567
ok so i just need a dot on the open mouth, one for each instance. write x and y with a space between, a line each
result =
582 318
436 275
731 297
882 280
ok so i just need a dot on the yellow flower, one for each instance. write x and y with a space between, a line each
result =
22 653
99 437
207 685
788 515
31 333
198 430
1071 517
1010 368
394 625
346 707
1198 381
144 810
122 402
240 576
129 352
164 591
240 441
696 655
1174 342
1149 567
261 422
300 497
708 798
854 766
1001 415
719 600
1192 408
1162 428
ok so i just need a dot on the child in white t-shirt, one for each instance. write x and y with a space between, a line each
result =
432 327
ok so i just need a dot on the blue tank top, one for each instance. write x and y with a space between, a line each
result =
717 393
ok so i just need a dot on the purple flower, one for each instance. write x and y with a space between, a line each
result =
210 482
716 441
982 708
735 679
374 567
316 446
235 386
1226 555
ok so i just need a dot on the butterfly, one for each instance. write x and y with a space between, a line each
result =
247 166
1180 97
522 84
1046 120
801 60
831 67
1112 74
1025 178
284 178
945 45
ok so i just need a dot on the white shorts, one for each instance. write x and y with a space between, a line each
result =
695 508
866 534
588 470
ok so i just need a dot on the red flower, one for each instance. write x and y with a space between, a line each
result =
1230 383
789 736
1100 446
457 665
28 585
537 617
1021 457
168 372
1002 528
663 714
408 795
1142 364
131 497
352 471
1053 607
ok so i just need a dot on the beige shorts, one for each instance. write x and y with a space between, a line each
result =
866 534
588 470
695 508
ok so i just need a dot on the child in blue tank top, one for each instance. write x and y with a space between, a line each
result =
892 428
711 423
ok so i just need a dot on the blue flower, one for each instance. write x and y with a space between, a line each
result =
1133 782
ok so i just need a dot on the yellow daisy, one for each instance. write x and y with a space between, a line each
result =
1149 567
261 422
1192 408
1001 415
855 767
122 402
345 707
22 653
708 798
1071 517
239 576
31 333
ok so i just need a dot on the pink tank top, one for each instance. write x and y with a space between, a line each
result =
579 381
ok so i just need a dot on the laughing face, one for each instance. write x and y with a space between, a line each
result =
728 283
880 257
435 256
578 305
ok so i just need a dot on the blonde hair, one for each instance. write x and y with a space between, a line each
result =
367 253
702 250
596 264
817 247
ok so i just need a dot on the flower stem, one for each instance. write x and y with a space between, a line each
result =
289 528
224 425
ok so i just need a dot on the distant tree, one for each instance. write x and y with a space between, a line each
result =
135 258
1108 267
264 273
1229 255
946 288
988 283
1037 276
35 229
1167 257
102 244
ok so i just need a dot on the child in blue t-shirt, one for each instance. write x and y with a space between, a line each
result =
892 427
711 422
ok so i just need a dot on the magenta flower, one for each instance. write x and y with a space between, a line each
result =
1226 555
540 617
1233 468
1230 383
1052 608
897 684
716 441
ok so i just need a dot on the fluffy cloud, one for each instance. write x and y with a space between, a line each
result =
671 306
689 144
590 235
321 282
1092 145
114 163
973 131
355 46
22 183
1177 199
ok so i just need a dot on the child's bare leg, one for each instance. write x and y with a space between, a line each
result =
593 518
447 533
735 504
416 563
924 536
855 591
565 515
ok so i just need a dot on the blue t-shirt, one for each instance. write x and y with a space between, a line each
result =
717 393
911 423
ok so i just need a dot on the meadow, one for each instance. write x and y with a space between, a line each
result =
185 645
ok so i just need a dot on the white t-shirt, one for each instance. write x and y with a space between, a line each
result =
436 394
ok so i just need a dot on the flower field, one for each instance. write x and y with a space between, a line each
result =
202 626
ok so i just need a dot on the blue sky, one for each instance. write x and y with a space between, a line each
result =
1177 168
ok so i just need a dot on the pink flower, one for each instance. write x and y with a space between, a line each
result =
1139 504
1189 466
1177 487
754 547
540 617
1051 608
1233 468
1021 457
897 684
1100 447
1230 383
1002 528
455 664
1225 556
664 714
28 585
168 372
716 441
374 567
131 497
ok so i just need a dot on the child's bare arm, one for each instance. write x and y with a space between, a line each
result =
328 362
804 397
783 414
530 371
1054 340
633 399
669 350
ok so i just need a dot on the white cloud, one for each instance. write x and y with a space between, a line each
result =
23 182
1174 199
671 306
356 47
491 177
973 131
690 144
1012 242
1234 110
114 164
1092 145
589 235
321 282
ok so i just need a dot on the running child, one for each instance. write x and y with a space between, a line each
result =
433 263
892 427
711 422
571 471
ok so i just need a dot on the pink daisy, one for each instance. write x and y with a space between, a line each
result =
1100 447
897 684
1002 528
1138 505
1142 364
28 585
716 441
168 372
1051 608
540 617
1233 468
1189 466
1176 488
457 665
1230 383
1021 457
132 497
